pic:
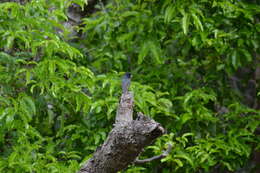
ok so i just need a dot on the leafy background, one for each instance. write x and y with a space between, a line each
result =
195 67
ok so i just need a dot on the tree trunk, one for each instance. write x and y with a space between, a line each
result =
126 140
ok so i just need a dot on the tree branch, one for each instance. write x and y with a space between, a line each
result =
164 154
125 141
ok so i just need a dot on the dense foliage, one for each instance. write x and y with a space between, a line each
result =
193 63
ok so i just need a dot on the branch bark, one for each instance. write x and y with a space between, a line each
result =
125 141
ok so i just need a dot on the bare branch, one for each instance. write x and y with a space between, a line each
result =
164 154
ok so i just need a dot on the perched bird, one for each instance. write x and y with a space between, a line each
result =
126 80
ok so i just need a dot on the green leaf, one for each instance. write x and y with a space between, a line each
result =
246 54
10 41
179 162
156 52
149 97
143 52
185 23
197 22
169 13
129 13
165 103
185 156
27 107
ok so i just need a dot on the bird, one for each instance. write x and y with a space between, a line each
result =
126 80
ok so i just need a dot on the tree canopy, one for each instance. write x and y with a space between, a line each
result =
195 67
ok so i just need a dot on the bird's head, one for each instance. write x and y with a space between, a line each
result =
128 75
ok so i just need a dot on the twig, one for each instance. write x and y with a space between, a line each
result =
164 154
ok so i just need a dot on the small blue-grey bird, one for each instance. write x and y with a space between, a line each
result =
126 80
